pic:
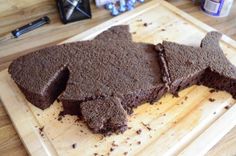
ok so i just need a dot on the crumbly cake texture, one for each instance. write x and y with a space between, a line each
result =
103 79
183 66
100 80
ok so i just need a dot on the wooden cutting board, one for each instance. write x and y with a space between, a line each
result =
188 125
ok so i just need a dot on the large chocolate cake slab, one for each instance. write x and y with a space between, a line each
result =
102 80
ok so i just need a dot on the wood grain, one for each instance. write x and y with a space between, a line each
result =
16 13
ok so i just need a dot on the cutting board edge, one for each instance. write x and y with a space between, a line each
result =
29 121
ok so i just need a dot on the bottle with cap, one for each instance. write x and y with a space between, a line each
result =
217 8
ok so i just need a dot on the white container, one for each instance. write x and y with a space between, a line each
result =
217 8
100 3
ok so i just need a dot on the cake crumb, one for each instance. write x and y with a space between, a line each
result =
74 145
146 126
125 153
60 116
227 107
186 97
211 99
139 131
41 131
95 154
114 144
163 29
212 90
134 33
139 142
145 24
111 149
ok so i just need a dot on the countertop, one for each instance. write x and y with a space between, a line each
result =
17 13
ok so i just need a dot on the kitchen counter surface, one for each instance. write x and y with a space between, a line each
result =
17 13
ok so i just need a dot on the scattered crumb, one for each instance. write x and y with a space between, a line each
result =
127 138
160 103
214 113
227 107
164 114
211 99
145 24
158 109
111 149
129 127
74 145
125 153
130 144
163 29
134 33
95 154
139 142
139 131
95 145
81 131
113 144
38 114
146 126
186 97
41 131
212 90
61 115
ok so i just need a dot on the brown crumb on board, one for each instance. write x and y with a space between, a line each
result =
145 24
114 144
125 153
139 142
61 115
186 97
212 90
134 33
95 154
111 149
146 126
163 29
74 145
139 131
211 99
227 107
41 131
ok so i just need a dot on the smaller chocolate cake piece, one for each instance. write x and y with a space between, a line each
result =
183 66
104 115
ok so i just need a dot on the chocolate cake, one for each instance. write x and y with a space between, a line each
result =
103 79
183 66
100 80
